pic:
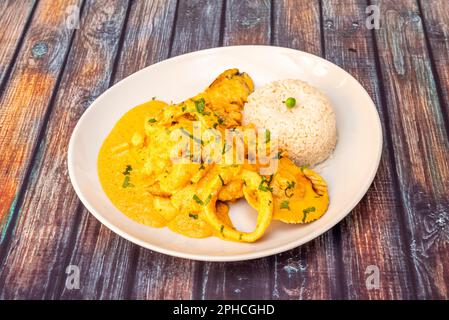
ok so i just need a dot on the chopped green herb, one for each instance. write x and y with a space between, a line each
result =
183 108
290 185
187 133
207 200
285 205
290 102
126 182
278 155
198 200
220 120
128 170
221 179
240 236
265 184
221 229
225 148
303 167
194 216
152 120
200 105
215 125
267 136
306 212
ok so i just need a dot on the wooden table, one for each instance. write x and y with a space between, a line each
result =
50 72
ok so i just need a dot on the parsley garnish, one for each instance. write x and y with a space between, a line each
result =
128 170
187 133
207 199
152 120
126 182
265 184
225 148
199 201
267 136
290 185
285 205
221 179
221 229
194 216
306 212
200 105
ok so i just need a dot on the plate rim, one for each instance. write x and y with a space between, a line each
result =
235 257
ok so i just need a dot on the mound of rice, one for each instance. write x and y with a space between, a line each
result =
308 131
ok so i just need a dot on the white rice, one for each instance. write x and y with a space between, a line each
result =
308 132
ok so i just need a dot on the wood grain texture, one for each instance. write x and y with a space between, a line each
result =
35 268
197 26
371 235
311 271
436 22
158 276
420 143
14 16
247 22
108 262
26 99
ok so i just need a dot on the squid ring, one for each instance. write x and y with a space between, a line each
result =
250 189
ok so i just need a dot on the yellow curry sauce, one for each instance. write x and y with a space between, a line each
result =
141 180
127 188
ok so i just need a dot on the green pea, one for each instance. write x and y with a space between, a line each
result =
290 102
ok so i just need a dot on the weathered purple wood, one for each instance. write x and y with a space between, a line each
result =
107 261
14 15
419 143
436 21
25 100
371 235
40 248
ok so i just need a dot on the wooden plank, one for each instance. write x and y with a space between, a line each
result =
365 241
159 276
436 22
36 262
298 31
197 26
107 261
26 99
419 142
311 271
13 19
247 22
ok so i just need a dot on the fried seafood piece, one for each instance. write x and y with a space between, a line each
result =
264 200
219 105
300 195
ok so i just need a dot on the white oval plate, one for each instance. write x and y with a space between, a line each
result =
349 172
